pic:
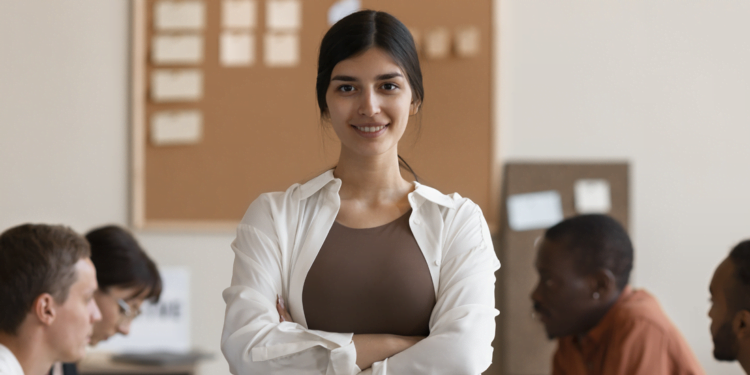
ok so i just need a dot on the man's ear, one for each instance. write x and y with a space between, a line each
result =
741 325
45 308
603 284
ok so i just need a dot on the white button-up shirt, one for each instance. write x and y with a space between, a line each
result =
8 363
277 242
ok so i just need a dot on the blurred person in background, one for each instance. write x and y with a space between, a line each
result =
601 324
730 307
377 272
127 278
47 306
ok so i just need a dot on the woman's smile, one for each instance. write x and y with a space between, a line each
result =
370 130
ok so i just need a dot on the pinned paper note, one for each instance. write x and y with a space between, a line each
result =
176 85
539 210
239 14
592 196
283 15
179 15
341 9
177 49
281 50
437 43
466 42
176 128
237 48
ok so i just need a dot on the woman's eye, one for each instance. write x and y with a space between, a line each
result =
389 86
346 88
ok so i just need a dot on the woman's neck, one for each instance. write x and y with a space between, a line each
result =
371 178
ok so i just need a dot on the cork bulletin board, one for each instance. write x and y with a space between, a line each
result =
254 126
521 346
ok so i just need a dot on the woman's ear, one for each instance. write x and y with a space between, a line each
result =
414 107
44 308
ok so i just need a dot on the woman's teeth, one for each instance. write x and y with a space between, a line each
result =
370 129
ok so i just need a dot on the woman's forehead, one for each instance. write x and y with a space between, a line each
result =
367 65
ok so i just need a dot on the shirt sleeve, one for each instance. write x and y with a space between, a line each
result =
639 348
253 341
463 323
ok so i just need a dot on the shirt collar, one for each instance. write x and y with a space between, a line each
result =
316 184
596 334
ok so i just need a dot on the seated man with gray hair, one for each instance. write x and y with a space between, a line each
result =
47 285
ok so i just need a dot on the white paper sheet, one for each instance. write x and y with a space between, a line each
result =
179 15
281 50
538 210
177 49
437 43
592 196
466 42
176 128
341 9
164 326
239 14
283 15
237 49
180 85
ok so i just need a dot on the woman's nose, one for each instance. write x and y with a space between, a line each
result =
370 105
124 327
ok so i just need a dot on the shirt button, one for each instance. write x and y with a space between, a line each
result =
417 222
437 262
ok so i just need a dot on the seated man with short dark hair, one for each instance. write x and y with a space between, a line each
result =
47 307
730 307
603 326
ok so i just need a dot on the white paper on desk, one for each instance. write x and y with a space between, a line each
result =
239 14
164 326
592 196
237 48
176 127
283 15
179 85
539 210
179 15
281 50
341 9
177 49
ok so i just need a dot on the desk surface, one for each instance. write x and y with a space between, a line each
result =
99 363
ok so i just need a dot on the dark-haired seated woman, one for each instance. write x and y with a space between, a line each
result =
372 271
127 277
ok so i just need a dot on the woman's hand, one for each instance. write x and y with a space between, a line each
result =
284 315
370 348
377 347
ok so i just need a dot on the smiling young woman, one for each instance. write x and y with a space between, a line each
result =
360 268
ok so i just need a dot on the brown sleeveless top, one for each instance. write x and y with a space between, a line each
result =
372 280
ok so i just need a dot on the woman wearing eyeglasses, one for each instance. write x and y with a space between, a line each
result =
127 277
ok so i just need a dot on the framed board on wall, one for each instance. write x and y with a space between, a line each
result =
224 109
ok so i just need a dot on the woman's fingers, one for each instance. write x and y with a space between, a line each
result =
284 315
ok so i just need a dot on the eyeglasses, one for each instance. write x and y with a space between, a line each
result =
127 312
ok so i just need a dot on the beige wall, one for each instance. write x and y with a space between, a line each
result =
664 84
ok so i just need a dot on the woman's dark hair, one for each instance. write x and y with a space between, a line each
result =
355 34
121 262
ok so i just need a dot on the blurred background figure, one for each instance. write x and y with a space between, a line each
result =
47 307
730 307
127 277
584 300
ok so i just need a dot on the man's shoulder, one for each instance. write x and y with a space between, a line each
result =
8 363
640 308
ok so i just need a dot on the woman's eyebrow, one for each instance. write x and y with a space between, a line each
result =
388 76
344 78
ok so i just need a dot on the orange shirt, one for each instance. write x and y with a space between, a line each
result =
635 337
